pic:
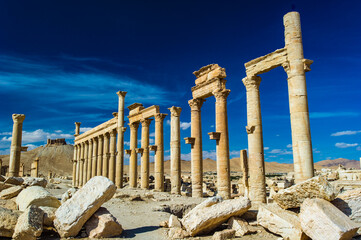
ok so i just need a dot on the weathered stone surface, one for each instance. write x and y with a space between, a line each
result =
2 178
9 204
177 233
5 186
32 181
174 222
212 213
49 215
321 220
349 203
280 221
68 194
316 187
14 180
103 225
241 226
8 220
30 224
10 192
223 235
71 216
38 196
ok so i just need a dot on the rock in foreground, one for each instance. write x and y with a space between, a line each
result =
213 212
30 224
10 192
103 225
8 220
316 187
72 215
349 203
38 196
320 220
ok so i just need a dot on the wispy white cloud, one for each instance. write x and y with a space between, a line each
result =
84 129
266 148
289 145
346 145
280 152
347 132
185 125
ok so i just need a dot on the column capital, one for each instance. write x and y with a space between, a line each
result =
221 94
175 111
77 124
90 141
146 122
18 118
252 82
121 94
196 104
159 117
101 137
122 129
133 125
106 135
95 139
113 133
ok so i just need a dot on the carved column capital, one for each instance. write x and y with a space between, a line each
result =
252 82
18 118
175 111
160 117
121 94
113 133
133 125
145 122
221 94
106 135
196 104
77 124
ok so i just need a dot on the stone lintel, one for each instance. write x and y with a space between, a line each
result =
214 135
209 72
266 63
24 149
153 148
101 129
139 150
128 151
189 140
205 89
135 108
144 113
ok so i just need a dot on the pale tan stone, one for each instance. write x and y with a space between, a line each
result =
71 216
10 192
133 175
37 196
14 180
105 168
349 203
241 226
175 151
321 220
94 157
68 194
8 220
15 149
112 155
100 155
244 168
120 141
144 170
9 204
159 153
30 181
29 225
49 215
316 187
224 234
177 233
174 222
103 225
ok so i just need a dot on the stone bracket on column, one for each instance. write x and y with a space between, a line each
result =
24 149
153 148
214 135
189 140
307 64
250 129
139 150
128 151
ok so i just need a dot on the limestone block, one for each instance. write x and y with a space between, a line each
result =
9 204
10 192
177 233
321 220
36 195
5 186
71 216
2 178
349 203
14 180
213 212
68 194
223 235
316 187
280 221
241 226
174 222
31 181
30 224
49 215
8 220
103 225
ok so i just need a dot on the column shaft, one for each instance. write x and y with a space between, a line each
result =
133 176
144 167
105 169
74 166
15 149
86 162
159 154
89 160
100 155
120 142
77 179
95 156
175 152
112 158
81 171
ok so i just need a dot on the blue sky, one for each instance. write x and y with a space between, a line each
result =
63 61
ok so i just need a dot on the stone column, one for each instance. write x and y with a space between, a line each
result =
89 160
144 167
100 155
86 162
244 169
77 178
112 158
34 171
21 171
15 150
175 152
120 141
223 164
196 151
95 156
297 92
74 165
159 153
257 184
133 176
81 171
77 128
105 172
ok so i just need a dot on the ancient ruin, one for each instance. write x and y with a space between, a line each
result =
15 151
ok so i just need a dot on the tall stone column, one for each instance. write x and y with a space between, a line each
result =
112 158
257 184
105 172
144 168
15 149
77 179
81 171
196 151
244 169
86 162
77 128
35 168
120 141
21 171
89 160
175 152
74 165
297 91
159 154
223 164
133 176
95 156
100 155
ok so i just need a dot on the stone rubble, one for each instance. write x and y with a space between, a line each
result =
8 220
10 192
30 224
38 196
241 226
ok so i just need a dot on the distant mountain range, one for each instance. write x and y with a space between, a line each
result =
58 160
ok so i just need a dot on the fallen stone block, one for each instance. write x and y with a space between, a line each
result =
5 186
30 224
241 226
213 212
280 222
14 180
36 195
72 215
174 222
68 194
349 203
2 178
8 220
31 181
316 187
321 220
103 225
223 235
163 224
49 215
9 204
177 233
10 192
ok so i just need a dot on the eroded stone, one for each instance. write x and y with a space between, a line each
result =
8 220
30 224
36 195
